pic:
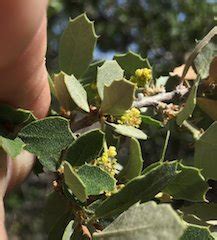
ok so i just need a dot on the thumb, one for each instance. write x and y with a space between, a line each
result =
23 76
2 219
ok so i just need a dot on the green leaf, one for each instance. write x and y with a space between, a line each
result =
188 109
55 208
76 46
135 161
58 229
74 182
203 211
150 167
12 147
62 93
12 120
86 148
146 221
96 180
131 61
206 152
142 188
194 232
51 85
208 106
106 74
204 58
118 97
70 92
68 231
46 139
90 75
128 131
112 138
151 121
214 235
189 185
77 92
15 116
161 81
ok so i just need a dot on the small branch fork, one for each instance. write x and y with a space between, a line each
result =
180 90
143 101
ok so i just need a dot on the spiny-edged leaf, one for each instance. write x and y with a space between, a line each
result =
12 120
74 182
189 185
206 152
86 148
58 229
129 131
146 221
68 231
209 106
142 188
204 58
188 109
151 121
56 206
118 97
12 147
76 46
135 161
150 167
77 92
203 211
194 232
90 75
96 180
131 61
46 139
62 93
106 74
70 92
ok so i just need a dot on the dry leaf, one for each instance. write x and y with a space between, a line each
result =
191 75
213 70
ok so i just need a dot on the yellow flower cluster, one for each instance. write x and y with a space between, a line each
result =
142 77
132 118
107 161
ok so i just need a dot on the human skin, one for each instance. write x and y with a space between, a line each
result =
23 78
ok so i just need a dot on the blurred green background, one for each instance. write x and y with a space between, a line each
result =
163 30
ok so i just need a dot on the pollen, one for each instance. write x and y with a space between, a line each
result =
107 161
132 118
142 77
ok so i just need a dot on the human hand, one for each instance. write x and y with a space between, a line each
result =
23 78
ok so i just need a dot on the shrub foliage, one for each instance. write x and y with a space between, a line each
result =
101 116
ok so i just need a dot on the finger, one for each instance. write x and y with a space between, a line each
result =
19 168
23 75
3 173
3 185
19 20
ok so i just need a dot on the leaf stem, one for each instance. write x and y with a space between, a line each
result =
195 132
165 146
